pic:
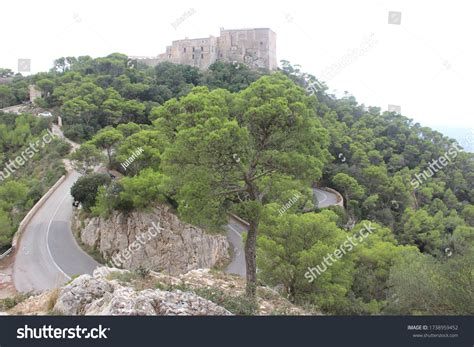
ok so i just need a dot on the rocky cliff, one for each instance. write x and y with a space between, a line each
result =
156 240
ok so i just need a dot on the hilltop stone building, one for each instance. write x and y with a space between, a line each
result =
34 92
253 47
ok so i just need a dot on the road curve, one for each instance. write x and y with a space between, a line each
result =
235 230
324 198
48 255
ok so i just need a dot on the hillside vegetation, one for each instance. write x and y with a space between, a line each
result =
234 140
27 170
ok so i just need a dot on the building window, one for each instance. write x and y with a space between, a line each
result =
202 48
193 49
193 56
202 56
184 49
169 55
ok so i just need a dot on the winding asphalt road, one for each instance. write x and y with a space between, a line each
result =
236 228
48 255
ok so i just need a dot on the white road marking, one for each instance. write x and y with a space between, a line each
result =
324 194
235 231
47 237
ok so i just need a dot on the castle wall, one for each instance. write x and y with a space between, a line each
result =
253 47
195 52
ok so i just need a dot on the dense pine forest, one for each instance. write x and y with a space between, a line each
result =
235 140
23 181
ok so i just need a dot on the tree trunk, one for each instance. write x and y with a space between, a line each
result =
251 260
109 155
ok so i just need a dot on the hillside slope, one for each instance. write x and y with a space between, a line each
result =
120 292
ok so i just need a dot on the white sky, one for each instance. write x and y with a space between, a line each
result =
425 65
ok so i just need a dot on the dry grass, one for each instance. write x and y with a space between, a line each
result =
53 298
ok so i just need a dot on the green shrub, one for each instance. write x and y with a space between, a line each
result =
238 305
8 303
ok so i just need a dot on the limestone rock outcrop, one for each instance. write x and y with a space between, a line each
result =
156 240
111 291
97 295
